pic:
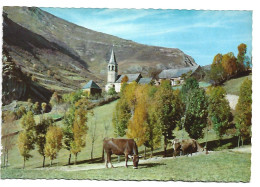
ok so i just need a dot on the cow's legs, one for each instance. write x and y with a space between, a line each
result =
126 159
109 159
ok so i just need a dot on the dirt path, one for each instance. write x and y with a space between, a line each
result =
232 99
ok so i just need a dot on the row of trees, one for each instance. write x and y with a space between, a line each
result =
148 113
226 66
50 138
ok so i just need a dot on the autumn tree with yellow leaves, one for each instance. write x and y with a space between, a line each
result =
53 142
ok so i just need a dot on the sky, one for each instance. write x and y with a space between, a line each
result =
199 33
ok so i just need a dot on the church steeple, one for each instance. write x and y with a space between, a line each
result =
112 68
112 58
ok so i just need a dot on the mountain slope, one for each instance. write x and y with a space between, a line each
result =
93 48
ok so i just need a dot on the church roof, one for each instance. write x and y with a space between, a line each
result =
174 73
91 84
113 58
131 77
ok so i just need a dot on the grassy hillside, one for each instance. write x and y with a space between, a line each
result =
233 86
102 115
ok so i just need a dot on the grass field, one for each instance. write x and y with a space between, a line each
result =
224 166
233 86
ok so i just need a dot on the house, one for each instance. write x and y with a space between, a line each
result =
92 88
175 75
114 80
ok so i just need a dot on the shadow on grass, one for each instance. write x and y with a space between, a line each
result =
149 165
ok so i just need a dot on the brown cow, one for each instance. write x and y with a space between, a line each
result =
125 147
187 147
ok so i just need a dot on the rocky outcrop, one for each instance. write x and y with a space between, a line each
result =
18 86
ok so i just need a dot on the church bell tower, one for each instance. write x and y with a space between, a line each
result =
112 69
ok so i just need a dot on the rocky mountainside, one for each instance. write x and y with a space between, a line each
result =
63 56
18 86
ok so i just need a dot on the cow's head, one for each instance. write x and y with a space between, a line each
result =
135 161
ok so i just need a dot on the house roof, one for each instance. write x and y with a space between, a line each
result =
173 73
131 77
145 80
91 84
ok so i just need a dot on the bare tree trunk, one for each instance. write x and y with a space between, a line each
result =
242 140
92 147
43 162
144 152
51 162
75 162
6 157
165 146
152 151
23 162
69 159
238 141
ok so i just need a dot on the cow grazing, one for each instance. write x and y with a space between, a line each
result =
125 147
187 147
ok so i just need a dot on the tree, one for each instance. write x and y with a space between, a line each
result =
243 113
165 118
111 91
241 57
36 108
41 131
124 79
229 63
67 130
154 130
137 125
26 138
79 128
55 99
20 112
44 107
195 115
53 142
217 73
220 114
93 136
8 127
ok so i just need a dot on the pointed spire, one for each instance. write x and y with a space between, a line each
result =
112 58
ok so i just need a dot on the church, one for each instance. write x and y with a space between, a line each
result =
114 80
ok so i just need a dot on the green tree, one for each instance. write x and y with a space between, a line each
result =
220 114
41 131
26 138
55 99
111 91
241 57
195 115
53 142
121 117
243 112
165 112
67 130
